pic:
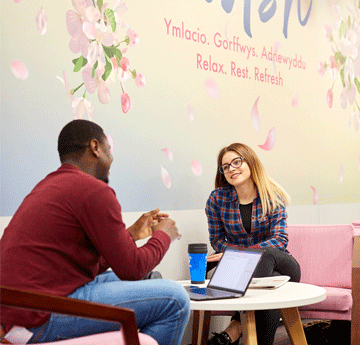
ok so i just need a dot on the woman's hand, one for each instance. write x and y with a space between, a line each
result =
214 257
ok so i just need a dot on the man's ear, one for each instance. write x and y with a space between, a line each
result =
94 147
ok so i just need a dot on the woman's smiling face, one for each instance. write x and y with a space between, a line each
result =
236 176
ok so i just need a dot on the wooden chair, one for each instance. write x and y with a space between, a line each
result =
63 305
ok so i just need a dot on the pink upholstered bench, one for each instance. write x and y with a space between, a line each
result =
329 256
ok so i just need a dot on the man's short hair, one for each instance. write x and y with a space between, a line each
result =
76 136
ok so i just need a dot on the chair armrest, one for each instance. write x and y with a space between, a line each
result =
355 288
69 306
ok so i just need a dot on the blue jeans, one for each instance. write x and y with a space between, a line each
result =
162 310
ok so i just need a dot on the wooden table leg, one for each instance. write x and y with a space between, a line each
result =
293 325
201 327
249 327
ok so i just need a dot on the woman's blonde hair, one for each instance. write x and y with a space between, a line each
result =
272 195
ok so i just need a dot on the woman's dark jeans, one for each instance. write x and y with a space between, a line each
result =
273 262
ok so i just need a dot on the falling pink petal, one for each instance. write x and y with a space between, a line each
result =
274 65
315 195
17 1
165 177
41 22
255 120
226 32
168 153
270 141
295 100
277 46
19 69
190 112
341 173
196 167
329 98
212 88
111 143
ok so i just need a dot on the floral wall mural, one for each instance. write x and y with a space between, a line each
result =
173 82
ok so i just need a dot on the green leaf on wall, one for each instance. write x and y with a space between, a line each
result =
357 83
108 69
342 28
93 69
118 56
342 77
79 63
339 58
109 51
111 17
100 4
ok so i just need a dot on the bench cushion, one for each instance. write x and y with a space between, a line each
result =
109 338
324 253
337 299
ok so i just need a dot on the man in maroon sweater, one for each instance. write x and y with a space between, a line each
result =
69 230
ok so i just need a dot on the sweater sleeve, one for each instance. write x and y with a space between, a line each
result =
102 221
216 226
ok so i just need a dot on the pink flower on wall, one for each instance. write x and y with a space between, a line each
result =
344 62
140 80
95 31
125 103
69 93
80 105
19 69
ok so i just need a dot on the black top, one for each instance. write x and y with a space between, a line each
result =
246 213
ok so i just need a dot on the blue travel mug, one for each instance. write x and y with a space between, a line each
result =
197 262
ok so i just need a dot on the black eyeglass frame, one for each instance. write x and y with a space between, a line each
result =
228 165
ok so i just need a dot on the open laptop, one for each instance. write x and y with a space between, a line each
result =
232 275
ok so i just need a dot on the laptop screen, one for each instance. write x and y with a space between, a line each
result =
235 269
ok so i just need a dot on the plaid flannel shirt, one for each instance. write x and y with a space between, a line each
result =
226 228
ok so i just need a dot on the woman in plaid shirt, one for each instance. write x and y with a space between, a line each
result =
247 209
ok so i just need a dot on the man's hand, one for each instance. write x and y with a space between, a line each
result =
168 226
143 227
214 257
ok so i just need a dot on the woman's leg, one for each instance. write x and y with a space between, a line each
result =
273 262
162 309
276 260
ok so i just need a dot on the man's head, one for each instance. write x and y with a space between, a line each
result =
84 144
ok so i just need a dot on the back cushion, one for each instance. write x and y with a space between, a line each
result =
324 253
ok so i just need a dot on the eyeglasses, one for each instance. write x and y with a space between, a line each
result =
235 163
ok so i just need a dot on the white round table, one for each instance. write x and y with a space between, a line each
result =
286 298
